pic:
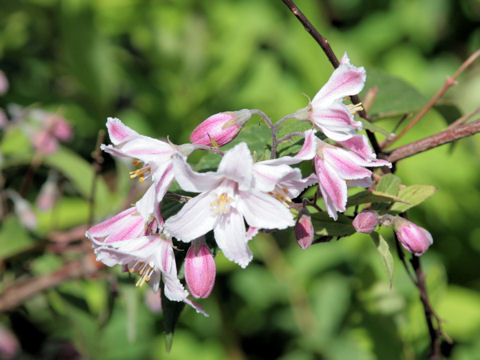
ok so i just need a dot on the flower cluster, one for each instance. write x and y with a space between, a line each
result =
237 200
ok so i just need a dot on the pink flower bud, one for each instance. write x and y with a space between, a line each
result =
200 269
8 344
304 230
44 142
412 237
220 128
60 128
366 221
48 194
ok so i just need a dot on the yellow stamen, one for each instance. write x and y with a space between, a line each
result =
354 108
221 205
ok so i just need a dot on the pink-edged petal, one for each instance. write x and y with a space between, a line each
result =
118 131
193 181
263 211
237 165
336 122
147 149
193 220
359 144
146 204
230 237
307 152
345 163
332 187
294 184
105 227
345 80
196 307
266 177
173 288
251 233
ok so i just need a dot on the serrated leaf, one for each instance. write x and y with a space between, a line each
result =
384 250
365 197
388 184
412 196
324 225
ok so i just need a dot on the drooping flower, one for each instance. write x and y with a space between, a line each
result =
228 199
47 130
366 221
221 128
336 168
304 231
199 269
414 238
155 157
327 111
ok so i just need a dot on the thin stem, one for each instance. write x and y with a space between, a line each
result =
289 136
325 45
448 83
208 148
464 118
444 137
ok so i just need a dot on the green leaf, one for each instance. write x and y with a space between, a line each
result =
384 250
412 196
14 238
324 225
374 128
388 184
366 196
449 111
15 142
395 96
171 312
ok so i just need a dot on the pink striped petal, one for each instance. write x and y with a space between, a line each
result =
360 145
336 122
192 181
345 80
118 131
345 163
332 187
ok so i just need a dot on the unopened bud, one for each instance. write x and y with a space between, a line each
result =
304 230
414 238
200 269
60 128
9 346
45 142
48 195
221 128
366 221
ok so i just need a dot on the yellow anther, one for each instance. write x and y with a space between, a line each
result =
221 204
354 108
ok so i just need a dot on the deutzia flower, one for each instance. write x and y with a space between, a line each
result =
327 111
336 168
156 156
228 199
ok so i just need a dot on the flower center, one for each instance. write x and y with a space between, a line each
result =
281 194
144 270
141 173
354 108
221 205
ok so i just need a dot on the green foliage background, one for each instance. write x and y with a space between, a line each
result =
164 66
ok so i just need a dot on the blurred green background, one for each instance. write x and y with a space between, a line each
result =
164 66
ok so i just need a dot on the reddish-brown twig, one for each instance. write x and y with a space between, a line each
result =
448 83
327 49
444 137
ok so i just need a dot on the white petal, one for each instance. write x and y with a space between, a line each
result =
193 181
237 165
118 131
230 237
193 220
263 211
267 176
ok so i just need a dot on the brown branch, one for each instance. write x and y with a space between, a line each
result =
444 137
327 49
463 119
18 293
448 83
